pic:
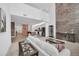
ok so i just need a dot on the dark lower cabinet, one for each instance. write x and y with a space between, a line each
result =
43 31
50 30
66 36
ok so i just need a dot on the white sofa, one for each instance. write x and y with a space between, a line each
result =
46 49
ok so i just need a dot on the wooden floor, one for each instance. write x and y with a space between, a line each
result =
14 51
14 48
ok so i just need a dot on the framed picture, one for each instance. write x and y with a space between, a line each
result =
2 20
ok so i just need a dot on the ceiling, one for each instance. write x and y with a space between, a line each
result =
23 20
42 6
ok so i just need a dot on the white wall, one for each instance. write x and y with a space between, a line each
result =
47 29
19 29
5 37
52 18
29 27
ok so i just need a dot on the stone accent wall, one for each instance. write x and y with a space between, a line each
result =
67 18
